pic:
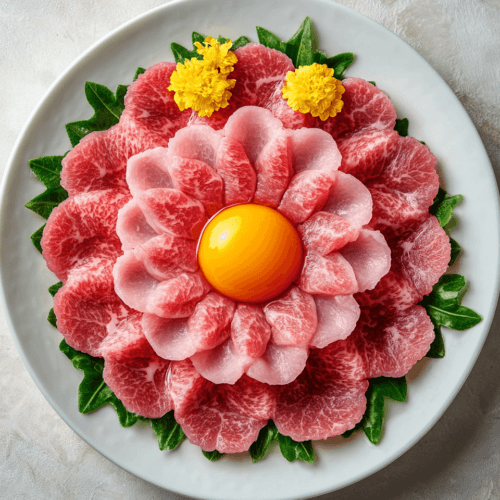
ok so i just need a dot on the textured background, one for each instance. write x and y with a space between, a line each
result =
41 458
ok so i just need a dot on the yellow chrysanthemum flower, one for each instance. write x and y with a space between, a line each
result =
218 54
199 85
312 89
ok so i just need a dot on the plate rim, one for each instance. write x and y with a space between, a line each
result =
9 174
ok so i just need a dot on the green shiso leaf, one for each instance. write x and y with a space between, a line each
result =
107 106
443 206
44 203
212 455
48 170
456 250
265 439
339 63
181 53
437 349
270 40
36 238
139 71
51 318
294 450
300 47
168 431
53 289
240 42
401 127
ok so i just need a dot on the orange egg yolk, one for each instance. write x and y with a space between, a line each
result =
250 253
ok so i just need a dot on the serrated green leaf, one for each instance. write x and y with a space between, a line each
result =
44 203
168 432
437 350
48 170
51 318
53 289
456 251
455 317
212 455
36 238
401 127
240 42
261 445
197 37
139 71
181 53
294 450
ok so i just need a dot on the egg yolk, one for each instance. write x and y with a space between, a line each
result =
250 253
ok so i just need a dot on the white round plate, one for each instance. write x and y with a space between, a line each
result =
436 117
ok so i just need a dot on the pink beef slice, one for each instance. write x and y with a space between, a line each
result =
172 211
274 171
412 172
134 372
424 255
391 345
168 337
370 258
87 305
83 227
250 331
367 152
151 107
210 323
99 160
166 256
337 318
279 365
292 318
350 199
197 142
365 107
148 170
132 227
327 398
177 298
307 192
280 109
196 179
236 171
327 275
220 417
325 232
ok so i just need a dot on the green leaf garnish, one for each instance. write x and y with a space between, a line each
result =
139 71
443 206
53 289
240 42
401 127
456 250
36 238
266 437
437 349
168 431
44 203
212 455
294 450
48 170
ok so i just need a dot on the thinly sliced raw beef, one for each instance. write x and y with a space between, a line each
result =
279 365
292 318
280 109
391 346
177 298
306 193
250 331
82 227
425 254
134 372
259 72
151 106
325 232
236 171
132 227
365 107
412 171
199 181
370 258
337 318
172 211
327 275
221 365
168 337
327 398
87 305
253 128
148 170
197 142
274 171
367 152
166 256
313 149
350 199
222 417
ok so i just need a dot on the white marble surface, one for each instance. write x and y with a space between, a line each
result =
41 458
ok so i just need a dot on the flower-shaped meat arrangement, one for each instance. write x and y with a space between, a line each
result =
254 262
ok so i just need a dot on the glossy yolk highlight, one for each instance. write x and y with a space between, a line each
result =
250 253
